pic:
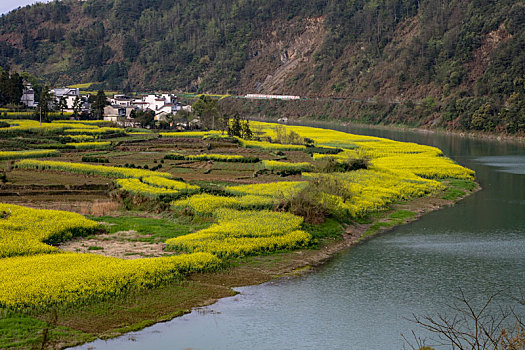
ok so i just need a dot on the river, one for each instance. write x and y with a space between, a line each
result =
364 297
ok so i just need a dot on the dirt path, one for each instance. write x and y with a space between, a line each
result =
123 244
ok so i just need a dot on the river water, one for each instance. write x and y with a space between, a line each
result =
364 297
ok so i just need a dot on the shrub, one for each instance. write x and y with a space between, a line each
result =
332 165
318 200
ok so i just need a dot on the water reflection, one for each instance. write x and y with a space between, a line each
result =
508 164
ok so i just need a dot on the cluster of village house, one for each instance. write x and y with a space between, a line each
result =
120 106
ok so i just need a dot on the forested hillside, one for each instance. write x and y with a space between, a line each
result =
458 64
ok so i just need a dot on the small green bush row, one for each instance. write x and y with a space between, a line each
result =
91 159
219 158
323 150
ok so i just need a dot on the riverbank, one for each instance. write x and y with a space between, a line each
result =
350 114
480 135
467 134
111 319
391 172
476 245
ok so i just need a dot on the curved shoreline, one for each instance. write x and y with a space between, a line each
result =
256 270
139 309
465 134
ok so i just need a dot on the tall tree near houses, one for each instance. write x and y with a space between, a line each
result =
77 106
16 89
62 104
45 104
97 108
223 122
11 88
208 110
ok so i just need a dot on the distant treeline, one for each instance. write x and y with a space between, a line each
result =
462 60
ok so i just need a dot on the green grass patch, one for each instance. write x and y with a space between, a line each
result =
375 228
24 332
401 215
331 228
466 185
158 230
457 188
453 194
393 219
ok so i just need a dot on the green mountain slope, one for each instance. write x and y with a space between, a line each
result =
457 63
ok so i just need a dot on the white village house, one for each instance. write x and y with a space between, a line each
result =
69 94
162 105
121 106
28 96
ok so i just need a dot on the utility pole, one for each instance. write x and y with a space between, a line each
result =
40 115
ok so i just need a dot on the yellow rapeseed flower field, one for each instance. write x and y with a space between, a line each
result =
43 281
67 126
284 189
206 156
28 154
24 231
88 169
162 182
396 171
240 233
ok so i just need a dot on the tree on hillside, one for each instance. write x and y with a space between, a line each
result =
208 110
97 108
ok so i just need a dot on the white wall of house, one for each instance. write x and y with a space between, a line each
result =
28 98
70 94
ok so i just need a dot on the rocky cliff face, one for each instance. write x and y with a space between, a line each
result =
281 54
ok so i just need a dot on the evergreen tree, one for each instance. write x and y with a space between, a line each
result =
208 111
62 104
45 105
11 88
235 127
97 108
77 106
246 131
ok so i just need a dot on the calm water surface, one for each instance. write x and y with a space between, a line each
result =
363 297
